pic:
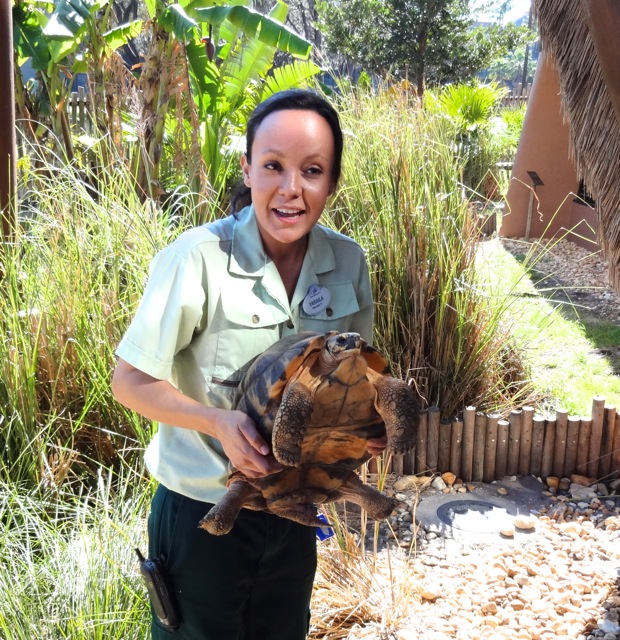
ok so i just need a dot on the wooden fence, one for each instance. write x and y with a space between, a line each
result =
517 97
78 110
485 447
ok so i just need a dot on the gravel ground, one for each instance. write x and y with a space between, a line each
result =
554 574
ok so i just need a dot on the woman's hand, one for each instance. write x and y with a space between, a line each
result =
376 446
245 447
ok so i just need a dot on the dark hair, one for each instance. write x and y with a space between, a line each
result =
291 99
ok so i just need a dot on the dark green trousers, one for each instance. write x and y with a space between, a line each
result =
253 583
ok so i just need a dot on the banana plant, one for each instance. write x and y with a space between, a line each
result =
217 60
52 44
229 55
246 57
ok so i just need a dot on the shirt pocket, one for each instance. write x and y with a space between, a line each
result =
337 316
242 327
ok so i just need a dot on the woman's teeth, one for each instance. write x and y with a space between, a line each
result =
288 212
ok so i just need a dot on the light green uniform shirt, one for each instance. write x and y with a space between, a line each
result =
213 302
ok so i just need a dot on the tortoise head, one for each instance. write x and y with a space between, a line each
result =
340 346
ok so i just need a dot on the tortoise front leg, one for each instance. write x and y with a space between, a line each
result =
222 516
290 424
398 405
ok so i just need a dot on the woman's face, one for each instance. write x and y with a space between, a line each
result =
289 176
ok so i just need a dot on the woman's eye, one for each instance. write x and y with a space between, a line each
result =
315 171
272 166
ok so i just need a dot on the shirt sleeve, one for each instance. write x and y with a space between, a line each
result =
170 311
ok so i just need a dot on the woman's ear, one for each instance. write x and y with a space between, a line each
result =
245 167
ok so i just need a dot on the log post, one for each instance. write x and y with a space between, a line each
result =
490 448
596 436
559 454
525 452
8 132
538 438
456 446
501 458
583 446
467 459
572 441
432 450
421 442
546 468
479 446
396 464
514 443
445 437
609 427
614 471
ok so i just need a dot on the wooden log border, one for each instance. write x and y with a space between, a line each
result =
485 447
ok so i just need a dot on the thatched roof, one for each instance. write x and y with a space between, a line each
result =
588 107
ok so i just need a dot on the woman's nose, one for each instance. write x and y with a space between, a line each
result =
290 184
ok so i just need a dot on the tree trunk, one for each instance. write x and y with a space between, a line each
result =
8 140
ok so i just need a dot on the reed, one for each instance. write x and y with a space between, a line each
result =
401 198
70 569
71 281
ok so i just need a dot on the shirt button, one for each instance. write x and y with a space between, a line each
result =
329 311
290 324
255 319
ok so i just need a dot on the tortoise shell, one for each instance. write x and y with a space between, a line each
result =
318 398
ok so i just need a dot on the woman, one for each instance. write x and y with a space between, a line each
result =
217 297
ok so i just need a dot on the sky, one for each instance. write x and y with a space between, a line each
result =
518 8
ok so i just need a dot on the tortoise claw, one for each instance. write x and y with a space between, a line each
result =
215 524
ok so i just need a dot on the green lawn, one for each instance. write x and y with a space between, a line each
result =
573 356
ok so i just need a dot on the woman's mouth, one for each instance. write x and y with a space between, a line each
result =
288 214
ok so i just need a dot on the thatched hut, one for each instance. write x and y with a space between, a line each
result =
579 44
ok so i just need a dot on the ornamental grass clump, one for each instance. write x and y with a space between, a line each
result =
401 198
71 280
69 568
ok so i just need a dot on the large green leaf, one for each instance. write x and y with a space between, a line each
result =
151 7
279 11
204 76
256 25
192 5
28 38
120 35
250 60
290 75
69 18
175 20
60 49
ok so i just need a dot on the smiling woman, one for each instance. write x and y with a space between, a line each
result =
216 298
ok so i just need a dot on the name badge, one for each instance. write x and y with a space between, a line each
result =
316 300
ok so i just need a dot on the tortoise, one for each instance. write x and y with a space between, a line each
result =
317 398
